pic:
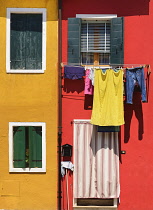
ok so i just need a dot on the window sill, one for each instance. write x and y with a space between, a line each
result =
29 170
94 208
25 71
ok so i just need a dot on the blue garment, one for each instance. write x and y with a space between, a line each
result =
74 72
135 76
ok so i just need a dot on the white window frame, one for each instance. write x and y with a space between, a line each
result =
25 11
96 17
11 168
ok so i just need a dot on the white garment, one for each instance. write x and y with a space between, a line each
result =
68 165
91 75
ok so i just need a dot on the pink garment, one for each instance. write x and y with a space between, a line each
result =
88 84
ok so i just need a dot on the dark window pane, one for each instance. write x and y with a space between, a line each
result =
26 41
104 58
87 58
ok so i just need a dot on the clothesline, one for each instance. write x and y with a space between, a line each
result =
108 64
122 66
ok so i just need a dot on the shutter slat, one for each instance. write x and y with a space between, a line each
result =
117 41
74 42
19 147
17 42
26 41
35 147
34 41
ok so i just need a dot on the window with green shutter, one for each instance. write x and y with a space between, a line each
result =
26 40
27 146
98 42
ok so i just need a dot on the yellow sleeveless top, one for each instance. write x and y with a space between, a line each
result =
108 98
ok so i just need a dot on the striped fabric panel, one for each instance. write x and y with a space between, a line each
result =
96 162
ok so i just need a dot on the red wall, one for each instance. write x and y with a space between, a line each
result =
136 168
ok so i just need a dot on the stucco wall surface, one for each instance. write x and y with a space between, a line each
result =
29 98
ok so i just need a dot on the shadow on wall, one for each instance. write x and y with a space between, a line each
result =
70 86
103 140
135 108
119 7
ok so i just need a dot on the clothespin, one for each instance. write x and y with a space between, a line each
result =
148 69
62 65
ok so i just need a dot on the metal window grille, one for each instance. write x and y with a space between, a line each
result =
95 37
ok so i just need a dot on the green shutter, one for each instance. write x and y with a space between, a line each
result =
35 147
19 147
34 41
117 41
74 44
17 41
26 41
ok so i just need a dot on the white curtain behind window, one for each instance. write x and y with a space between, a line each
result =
96 162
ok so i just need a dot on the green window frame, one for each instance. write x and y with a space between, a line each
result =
27 147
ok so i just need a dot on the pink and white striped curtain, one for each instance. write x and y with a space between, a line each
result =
96 162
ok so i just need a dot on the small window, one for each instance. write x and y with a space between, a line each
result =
25 40
27 147
95 42
95 202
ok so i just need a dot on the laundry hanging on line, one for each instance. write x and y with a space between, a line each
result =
74 72
108 98
66 165
88 90
135 77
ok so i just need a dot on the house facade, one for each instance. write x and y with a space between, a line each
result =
28 107
126 42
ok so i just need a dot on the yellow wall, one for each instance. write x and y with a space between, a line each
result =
29 98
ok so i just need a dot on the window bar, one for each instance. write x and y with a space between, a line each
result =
87 37
105 36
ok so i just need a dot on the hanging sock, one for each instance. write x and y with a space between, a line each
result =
108 98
